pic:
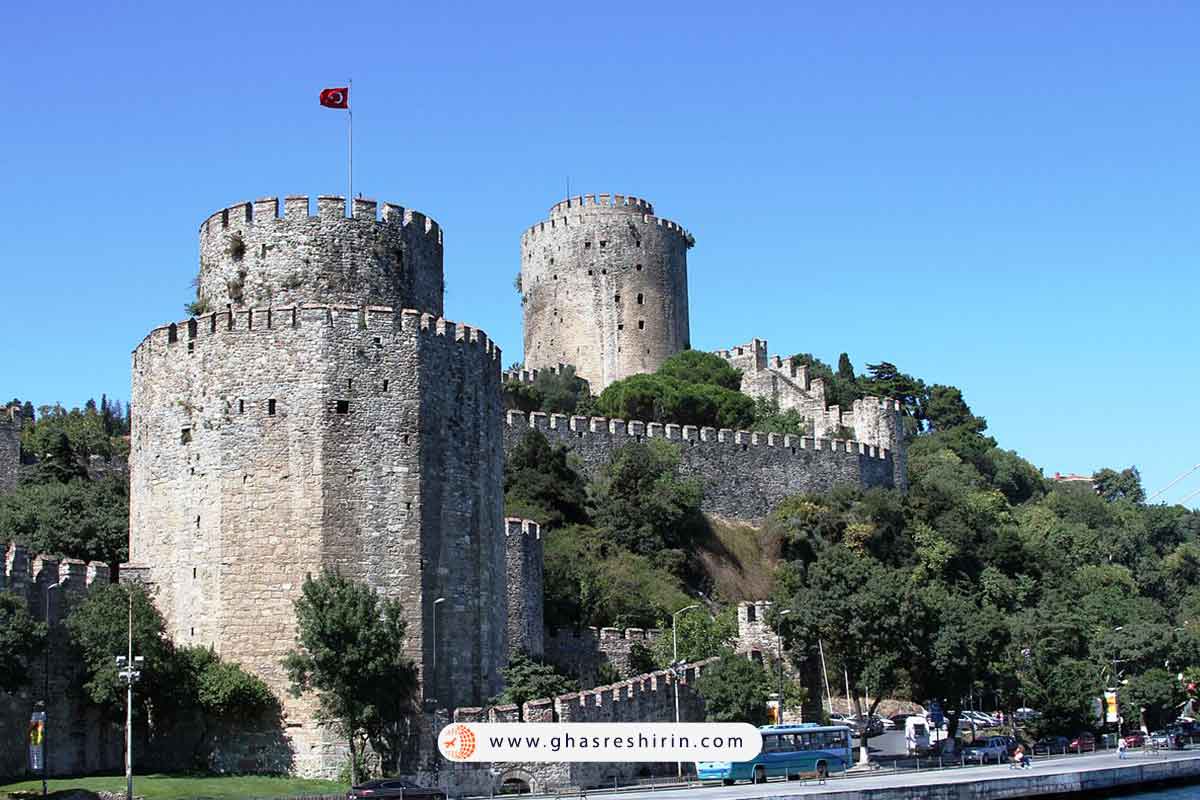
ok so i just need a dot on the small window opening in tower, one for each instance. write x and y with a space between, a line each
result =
641 324
262 253
616 298
404 439
590 272
556 277
185 436
241 406
343 406
385 384
349 384
641 299
197 522
587 245
603 272
638 268
191 347
193 632
604 243
271 407
751 613
193 573
620 326
378 342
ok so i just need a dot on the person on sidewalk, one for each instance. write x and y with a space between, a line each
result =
1121 747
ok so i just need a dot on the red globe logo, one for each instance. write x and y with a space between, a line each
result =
457 742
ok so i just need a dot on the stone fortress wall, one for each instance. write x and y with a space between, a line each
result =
873 420
525 588
273 442
604 287
252 255
79 740
10 447
745 474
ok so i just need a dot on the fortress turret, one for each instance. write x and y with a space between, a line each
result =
604 287
308 424
526 614
251 254
10 447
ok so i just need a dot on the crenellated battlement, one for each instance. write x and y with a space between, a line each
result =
531 375
744 474
30 575
636 430
615 202
267 210
574 212
347 320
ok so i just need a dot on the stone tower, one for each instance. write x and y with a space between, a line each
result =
321 415
10 447
604 287
526 607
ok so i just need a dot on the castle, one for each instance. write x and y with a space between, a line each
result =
319 412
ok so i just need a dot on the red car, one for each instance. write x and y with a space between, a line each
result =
1083 743
1135 739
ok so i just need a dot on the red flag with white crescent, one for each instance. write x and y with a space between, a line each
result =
337 97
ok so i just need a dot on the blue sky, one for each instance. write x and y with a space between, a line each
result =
1002 198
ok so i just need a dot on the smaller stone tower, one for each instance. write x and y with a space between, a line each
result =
604 287
526 612
10 447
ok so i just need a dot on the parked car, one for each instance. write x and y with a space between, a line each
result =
898 719
886 722
393 788
1012 743
1165 740
1135 739
1026 714
1051 744
1083 743
993 749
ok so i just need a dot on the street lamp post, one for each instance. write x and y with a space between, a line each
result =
46 695
675 670
779 656
129 669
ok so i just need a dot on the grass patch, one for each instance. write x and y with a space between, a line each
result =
740 559
190 787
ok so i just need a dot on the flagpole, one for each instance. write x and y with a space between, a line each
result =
350 148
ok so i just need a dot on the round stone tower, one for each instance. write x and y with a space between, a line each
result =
322 416
604 287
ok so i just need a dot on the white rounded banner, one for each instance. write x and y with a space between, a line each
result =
599 741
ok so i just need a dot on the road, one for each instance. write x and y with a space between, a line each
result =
883 779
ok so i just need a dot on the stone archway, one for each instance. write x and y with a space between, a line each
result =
515 782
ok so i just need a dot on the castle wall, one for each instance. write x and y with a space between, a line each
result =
604 287
644 698
525 590
10 447
77 738
582 652
251 254
744 474
268 444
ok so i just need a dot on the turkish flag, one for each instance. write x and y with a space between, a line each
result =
338 97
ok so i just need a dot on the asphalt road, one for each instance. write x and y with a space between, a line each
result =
884 778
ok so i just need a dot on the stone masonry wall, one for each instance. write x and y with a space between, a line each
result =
10 447
582 652
744 474
524 570
270 443
604 287
78 740
250 255
872 420
644 698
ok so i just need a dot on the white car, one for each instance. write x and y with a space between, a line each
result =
887 724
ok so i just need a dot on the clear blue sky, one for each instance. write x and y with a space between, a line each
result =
1003 198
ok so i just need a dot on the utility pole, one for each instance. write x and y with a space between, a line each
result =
46 696
129 669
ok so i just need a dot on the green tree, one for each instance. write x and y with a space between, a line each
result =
99 630
845 369
699 636
349 650
83 519
21 638
1152 699
734 689
946 409
694 366
526 679
1123 485
555 392
642 503
541 484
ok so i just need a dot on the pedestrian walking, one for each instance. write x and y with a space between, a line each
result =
1121 747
